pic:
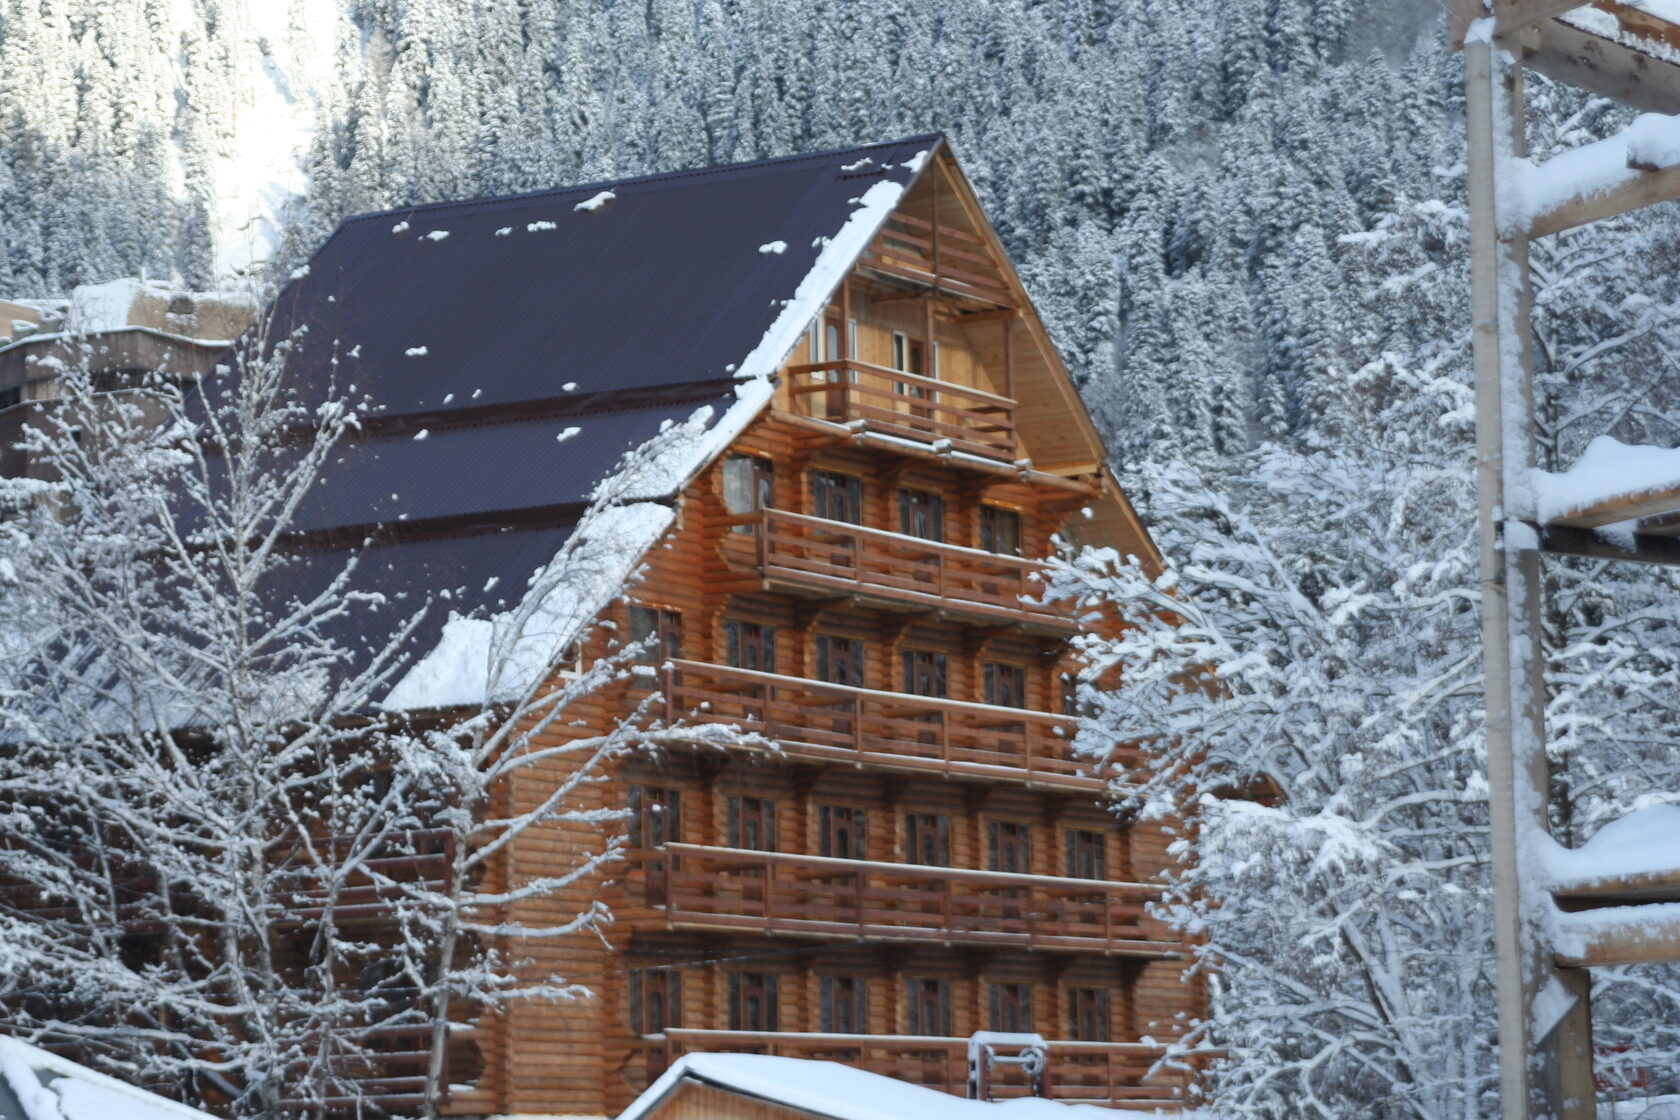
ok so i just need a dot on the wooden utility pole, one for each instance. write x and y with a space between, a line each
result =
1545 1026
1548 932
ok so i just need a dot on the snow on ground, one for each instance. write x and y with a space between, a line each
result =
1607 469
286 53
847 1093
1648 1108
52 1088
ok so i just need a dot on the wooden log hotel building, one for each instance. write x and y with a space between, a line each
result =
848 570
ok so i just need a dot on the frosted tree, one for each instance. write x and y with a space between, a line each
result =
235 865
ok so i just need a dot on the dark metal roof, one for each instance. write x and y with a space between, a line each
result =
613 321
511 299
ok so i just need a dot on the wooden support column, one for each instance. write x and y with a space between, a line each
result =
1545 1030
1009 358
932 369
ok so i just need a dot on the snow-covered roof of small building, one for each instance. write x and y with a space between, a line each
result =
515 348
841 1092
37 1085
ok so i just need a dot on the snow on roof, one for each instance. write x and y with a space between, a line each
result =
37 1085
844 1092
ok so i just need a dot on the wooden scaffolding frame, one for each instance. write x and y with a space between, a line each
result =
1549 933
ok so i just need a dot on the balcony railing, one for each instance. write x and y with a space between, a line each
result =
893 730
790 893
899 571
924 410
1117 1074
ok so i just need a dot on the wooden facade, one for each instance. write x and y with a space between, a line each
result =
913 854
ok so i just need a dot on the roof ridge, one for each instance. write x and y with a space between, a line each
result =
637 180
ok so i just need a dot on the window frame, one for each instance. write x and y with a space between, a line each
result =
646 983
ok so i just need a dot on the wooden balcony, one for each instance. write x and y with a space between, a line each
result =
805 555
1116 1074
907 406
812 721
938 257
812 896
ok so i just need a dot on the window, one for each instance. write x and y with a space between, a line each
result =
1005 685
655 816
752 1001
928 838
1000 530
655 1000
1009 845
845 1006
1070 694
907 354
843 832
752 823
1087 854
750 645
656 633
837 497
1011 1008
12 396
1088 1014
921 514
839 660
924 672
748 486
930 1006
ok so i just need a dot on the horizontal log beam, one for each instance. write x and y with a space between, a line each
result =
1649 886
1618 935
1508 15
1603 66
1613 508
1566 541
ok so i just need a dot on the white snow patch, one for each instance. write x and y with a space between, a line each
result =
916 162
53 1088
569 433
777 247
437 235
421 434
1607 469
416 352
1651 141
400 227
569 386
1640 843
845 1092
595 202
538 227
866 161
504 231
482 660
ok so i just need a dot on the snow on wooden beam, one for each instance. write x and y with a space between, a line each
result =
1618 935
1643 886
1636 167
1611 482
1608 67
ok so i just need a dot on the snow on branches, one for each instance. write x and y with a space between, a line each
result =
235 869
